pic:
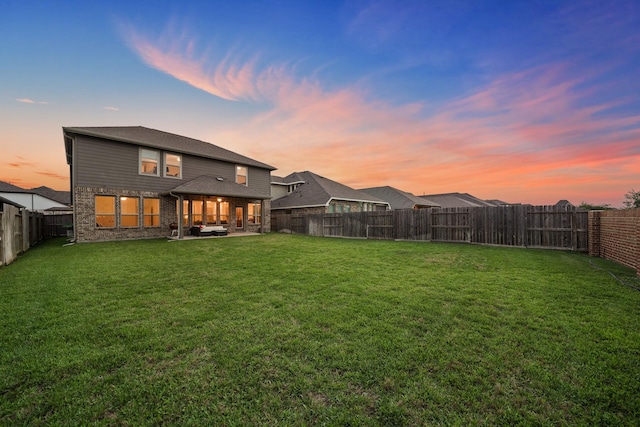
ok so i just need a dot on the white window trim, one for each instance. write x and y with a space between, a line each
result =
140 162
164 158
257 217
245 176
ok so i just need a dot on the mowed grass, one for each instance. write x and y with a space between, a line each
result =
295 330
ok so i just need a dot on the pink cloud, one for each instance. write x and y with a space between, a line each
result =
30 101
527 136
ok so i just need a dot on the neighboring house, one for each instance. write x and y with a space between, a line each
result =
311 193
135 182
280 188
41 199
497 202
564 204
399 199
4 201
460 200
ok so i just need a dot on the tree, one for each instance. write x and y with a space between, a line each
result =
591 207
632 199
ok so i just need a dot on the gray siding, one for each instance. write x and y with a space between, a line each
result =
111 164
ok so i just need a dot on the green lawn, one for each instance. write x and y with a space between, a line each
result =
295 330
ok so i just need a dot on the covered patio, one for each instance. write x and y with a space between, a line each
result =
214 201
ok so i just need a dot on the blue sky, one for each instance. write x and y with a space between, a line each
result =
529 101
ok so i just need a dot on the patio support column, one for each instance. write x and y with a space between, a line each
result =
180 217
262 216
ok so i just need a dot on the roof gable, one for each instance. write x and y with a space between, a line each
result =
319 191
153 138
457 200
399 199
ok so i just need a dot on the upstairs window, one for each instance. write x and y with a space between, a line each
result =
149 162
173 165
241 175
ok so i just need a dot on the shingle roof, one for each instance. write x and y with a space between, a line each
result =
10 202
210 186
153 138
457 200
63 197
318 191
399 199
10 188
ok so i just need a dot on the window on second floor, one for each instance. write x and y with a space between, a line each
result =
149 162
242 175
173 165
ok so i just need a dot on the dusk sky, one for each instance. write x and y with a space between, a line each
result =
523 101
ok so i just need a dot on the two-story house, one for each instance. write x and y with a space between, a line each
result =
135 182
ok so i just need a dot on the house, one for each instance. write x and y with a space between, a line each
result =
564 205
460 200
4 201
40 199
399 199
134 182
312 193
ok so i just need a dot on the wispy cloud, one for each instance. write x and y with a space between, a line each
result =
30 101
174 52
54 175
20 164
112 108
534 133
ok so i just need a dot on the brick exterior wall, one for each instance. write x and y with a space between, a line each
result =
85 229
615 235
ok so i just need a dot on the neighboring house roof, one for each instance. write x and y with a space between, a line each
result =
10 188
564 203
278 180
210 186
10 202
319 191
498 202
63 197
153 138
55 196
457 200
399 199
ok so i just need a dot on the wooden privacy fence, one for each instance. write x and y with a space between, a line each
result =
57 225
520 225
19 230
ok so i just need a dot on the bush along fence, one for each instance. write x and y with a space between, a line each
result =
519 225
615 235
